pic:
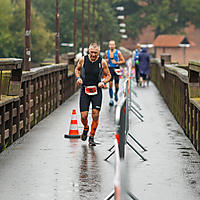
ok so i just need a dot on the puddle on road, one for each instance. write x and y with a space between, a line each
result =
185 148
185 153
89 174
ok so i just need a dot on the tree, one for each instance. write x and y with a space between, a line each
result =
17 29
46 9
5 35
106 18
41 38
164 16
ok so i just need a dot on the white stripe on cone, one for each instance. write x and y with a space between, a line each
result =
74 117
73 127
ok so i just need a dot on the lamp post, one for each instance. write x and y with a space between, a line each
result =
83 31
98 15
75 25
122 25
27 51
93 20
88 23
57 60
184 50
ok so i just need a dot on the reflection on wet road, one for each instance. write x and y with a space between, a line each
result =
43 165
89 174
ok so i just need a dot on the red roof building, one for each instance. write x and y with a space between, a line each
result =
147 36
178 46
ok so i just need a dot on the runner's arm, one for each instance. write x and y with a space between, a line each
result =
106 71
106 58
78 71
121 58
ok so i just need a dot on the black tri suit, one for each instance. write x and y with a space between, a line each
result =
91 76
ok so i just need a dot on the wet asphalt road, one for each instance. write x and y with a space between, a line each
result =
43 165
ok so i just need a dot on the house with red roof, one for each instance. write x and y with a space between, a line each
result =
178 46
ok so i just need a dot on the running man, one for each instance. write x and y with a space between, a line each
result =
88 74
114 58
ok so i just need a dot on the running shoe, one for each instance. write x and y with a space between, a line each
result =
91 141
116 97
84 134
111 103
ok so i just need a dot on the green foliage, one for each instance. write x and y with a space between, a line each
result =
12 25
42 40
110 25
12 15
47 9
17 29
66 21
5 34
105 20
164 16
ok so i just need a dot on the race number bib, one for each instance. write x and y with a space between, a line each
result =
91 90
118 72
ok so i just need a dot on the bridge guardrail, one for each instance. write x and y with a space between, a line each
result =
180 89
43 89
122 132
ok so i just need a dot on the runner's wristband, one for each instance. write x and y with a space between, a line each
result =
77 78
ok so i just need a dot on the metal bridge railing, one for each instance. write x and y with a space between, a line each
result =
125 105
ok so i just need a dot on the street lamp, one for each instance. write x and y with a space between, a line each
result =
184 49
88 23
121 17
124 36
82 28
75 25
67 44
93 20
120 8
123 25
27 52
122 30
57 33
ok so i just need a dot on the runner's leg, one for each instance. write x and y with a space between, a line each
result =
84 119
96 107
95 122
111 103
116 87
84 108
110 89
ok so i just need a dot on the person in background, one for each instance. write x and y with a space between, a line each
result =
114 58
135 62
144 62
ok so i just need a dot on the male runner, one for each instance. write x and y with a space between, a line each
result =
114 58
88 74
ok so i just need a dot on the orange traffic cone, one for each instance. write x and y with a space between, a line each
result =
73 131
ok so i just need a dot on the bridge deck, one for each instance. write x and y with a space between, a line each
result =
44 165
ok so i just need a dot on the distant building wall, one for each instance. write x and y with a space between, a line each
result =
177 54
